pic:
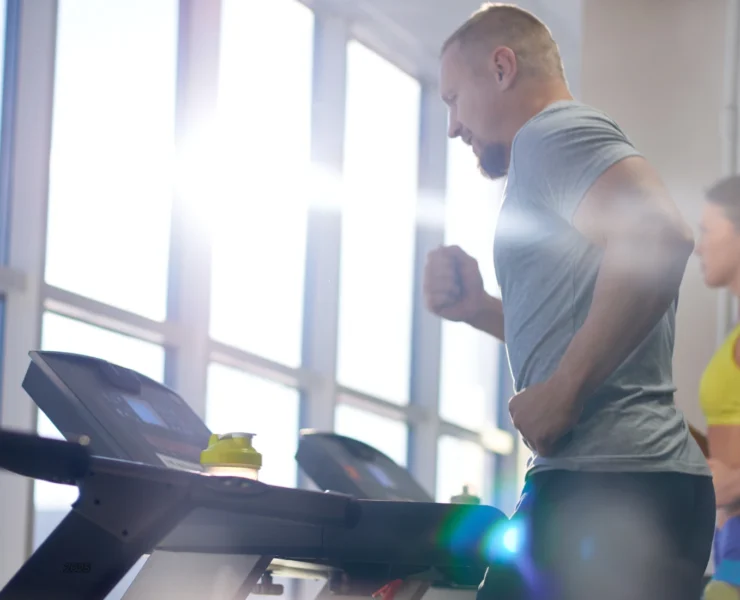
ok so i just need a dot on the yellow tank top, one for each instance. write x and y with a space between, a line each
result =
719 391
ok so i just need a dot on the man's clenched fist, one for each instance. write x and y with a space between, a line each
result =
453 286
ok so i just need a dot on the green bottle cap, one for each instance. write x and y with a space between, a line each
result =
232 450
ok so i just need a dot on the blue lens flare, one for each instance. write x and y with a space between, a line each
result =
505 541
510 540
468 532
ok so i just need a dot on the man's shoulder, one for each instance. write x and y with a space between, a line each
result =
565 116
565 131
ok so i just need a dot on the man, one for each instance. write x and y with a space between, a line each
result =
589 251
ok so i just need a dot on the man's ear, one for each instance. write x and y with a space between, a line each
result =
503 64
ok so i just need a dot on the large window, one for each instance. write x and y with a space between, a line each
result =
52 501
227 116
241 402
2 346
380 184
3 26
264 143
4 214
470 359
110 179
388 435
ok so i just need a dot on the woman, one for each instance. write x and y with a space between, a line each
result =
719 251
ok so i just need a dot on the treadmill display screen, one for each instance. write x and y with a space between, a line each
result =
380 475
341 464
145 411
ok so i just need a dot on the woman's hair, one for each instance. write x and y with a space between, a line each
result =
726 193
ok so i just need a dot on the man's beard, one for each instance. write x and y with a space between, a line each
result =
494 161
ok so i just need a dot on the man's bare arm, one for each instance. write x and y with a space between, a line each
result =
700 439
646 245
490 319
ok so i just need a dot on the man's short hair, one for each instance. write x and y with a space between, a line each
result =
498 24
726 193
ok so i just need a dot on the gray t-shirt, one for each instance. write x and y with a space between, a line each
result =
547 272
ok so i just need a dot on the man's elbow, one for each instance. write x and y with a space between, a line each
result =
678 238
662 228
658 244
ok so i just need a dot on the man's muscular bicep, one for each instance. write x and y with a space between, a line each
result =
628 200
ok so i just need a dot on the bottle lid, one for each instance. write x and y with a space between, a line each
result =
465 498
231 449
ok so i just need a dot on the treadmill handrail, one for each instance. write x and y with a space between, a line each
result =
55 460
37 457
240 494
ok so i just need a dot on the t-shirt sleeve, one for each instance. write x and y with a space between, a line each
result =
559 156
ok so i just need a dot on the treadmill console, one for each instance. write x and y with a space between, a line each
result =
119 413
341 464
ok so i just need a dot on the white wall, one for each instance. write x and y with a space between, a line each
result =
565 20
657 67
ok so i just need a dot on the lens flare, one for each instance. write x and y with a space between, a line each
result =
510 540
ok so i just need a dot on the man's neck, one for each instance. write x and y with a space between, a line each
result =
541 95
536 96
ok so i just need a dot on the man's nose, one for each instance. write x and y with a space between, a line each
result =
453 129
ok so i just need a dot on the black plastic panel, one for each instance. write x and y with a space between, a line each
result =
124 414
342 464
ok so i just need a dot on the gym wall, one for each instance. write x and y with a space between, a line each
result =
658 68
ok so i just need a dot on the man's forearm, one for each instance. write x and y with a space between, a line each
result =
490 319
638 279
700 439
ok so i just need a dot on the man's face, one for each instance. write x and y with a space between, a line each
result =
473 94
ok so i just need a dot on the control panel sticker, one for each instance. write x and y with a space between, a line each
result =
176 463
185 450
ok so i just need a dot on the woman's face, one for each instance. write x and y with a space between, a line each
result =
718 247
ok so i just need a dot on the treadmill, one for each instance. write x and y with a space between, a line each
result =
133 449
208 536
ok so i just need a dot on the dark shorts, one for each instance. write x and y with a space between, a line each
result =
607 536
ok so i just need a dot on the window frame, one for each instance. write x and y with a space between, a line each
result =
9 73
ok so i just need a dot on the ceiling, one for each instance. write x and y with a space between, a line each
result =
411 31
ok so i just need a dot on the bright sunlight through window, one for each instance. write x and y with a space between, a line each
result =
469 374
378 227
263 153
110 180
